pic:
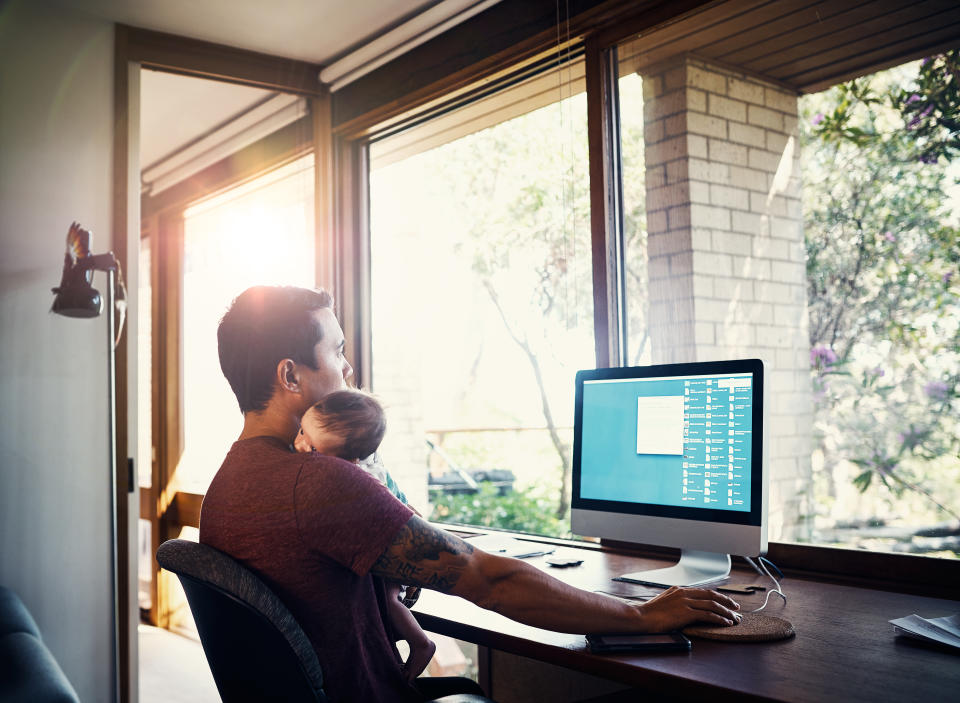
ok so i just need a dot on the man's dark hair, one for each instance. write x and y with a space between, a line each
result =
264 325
354 416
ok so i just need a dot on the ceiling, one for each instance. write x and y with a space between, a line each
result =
176 110
309 30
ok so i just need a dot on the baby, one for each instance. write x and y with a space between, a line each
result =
350 424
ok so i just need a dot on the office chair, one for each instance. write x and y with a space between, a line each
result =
255 648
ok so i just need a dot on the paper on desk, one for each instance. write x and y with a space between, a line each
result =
508 546
944 630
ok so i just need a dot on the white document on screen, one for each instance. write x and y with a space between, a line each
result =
660 424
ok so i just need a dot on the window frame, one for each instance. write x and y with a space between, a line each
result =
599 31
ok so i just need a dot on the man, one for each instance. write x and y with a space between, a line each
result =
318 530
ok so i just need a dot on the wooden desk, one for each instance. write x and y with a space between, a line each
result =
844 650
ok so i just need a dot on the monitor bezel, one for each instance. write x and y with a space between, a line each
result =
753 517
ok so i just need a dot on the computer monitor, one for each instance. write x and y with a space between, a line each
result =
673 455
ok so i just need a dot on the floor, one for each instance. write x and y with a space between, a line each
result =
173 669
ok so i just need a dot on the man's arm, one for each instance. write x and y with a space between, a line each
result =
424 555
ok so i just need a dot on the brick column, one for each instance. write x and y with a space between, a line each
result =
727 272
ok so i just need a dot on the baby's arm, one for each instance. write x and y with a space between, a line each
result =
407 628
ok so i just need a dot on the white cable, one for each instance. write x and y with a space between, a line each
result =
777 590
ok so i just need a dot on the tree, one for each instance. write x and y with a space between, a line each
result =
882 261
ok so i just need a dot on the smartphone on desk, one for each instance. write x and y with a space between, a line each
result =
668 642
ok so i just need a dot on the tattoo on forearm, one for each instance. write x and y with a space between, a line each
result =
422 555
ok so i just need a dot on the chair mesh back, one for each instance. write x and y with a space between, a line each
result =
255 648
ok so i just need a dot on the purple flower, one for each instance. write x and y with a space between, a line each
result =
913 98
947 276
936 390
889 236
928 159
817 119
822 356
877 371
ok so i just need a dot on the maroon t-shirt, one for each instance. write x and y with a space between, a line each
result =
311 527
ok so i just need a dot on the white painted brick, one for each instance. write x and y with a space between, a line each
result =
745 90
706 80
781 100
731 243
736 333
728 153
656 221
675 124
764 204
653 131
773 292
699 192
750 178
696 100
787 272
666 104
660 245
703 333
714 310
726 108
681 264
698 123
729 288
772 336
676 170
656 176
786 228
709 171
658 267
798 252
713 263
667 150
762 117
751 267
697 146
702 286
776 141
709 216
652 87
788 314
675 77
794 208
745 134
770 248
757 313
701 239
726 196
790 125
679 217
669 196
747 222
764 160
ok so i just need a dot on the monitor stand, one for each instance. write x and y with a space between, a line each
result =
693 569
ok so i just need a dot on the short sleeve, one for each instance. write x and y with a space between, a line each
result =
344 514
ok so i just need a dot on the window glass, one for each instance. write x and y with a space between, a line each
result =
482 308
260 233
819 234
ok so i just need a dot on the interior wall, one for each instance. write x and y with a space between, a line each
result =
56 120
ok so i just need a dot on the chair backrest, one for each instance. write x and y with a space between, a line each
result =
255 648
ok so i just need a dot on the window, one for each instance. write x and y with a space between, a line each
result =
258 233
482 306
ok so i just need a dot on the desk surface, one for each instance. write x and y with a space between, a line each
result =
844 649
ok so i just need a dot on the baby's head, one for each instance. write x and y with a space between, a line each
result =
349 424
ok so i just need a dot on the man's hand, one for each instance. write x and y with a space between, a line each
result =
677 607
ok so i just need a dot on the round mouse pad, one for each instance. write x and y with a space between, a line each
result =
755 627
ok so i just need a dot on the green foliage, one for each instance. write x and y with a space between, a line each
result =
883 252
521 510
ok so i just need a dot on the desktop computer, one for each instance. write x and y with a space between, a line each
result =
673 455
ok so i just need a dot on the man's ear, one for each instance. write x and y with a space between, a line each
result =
287 377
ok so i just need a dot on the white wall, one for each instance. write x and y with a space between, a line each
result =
56 118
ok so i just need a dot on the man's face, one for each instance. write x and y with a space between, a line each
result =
332 370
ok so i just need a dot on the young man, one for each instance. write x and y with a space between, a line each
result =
317 530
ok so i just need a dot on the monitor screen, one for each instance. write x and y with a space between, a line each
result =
680 441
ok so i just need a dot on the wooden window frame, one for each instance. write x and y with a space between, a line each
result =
600 29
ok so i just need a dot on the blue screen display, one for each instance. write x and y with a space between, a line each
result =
678 441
